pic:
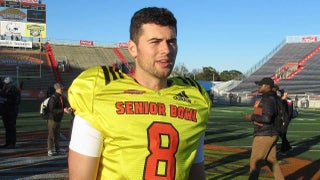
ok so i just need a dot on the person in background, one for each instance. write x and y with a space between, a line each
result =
285 144
265 135
288 105
57 105
296 99
144 126
11 98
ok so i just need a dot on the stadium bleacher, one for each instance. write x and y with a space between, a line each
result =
30 66
294 64
80 58
76 57
305 81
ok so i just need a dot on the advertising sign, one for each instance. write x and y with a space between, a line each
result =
36 30
86 43
17 3
2 3
123 44
8 28
34 6
29 1
22 15
13 14
22 44
13 4
309 39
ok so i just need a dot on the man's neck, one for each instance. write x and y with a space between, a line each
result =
151 83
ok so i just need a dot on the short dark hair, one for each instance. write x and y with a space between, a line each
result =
159 16
267 81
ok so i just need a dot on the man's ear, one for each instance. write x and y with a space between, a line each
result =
132 48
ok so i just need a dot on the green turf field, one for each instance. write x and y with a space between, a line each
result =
226 127
29 118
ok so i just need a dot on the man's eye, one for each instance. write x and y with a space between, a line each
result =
172 42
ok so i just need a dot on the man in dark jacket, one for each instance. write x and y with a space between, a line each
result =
58 105
10 97
265 135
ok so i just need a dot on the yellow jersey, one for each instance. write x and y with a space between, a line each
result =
147 134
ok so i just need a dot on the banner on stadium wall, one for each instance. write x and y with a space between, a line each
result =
17 3
309 39
21 60
14 4
123 44
9 29
22 44
27 1
40 7
86 43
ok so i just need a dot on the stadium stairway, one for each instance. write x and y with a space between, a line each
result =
295 67
128 68
53 62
